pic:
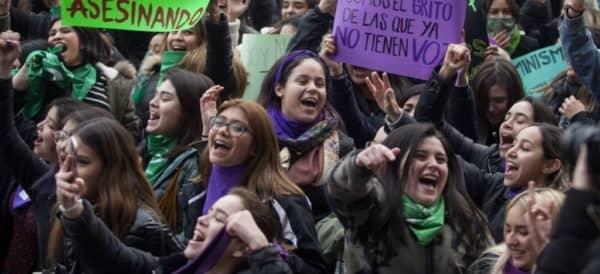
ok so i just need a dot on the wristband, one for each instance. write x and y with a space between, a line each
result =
68 211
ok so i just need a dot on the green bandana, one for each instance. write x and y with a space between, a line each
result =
515 39
158 148
424 222
169 60
45 65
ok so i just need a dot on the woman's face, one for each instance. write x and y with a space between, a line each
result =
525 160
67 37
411 104
165 111
89 166
428 172
44 145
183 40
499 8
209 225
497 105
304 95
229 139
518 240
518 117
293 8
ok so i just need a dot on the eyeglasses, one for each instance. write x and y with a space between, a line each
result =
235 128
61 135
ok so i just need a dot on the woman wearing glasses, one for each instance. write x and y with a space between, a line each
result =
171 162
242 151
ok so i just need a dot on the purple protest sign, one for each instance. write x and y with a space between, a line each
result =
404 37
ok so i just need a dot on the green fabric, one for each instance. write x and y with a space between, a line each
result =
45 65
515 39
169 60
424 222
158 148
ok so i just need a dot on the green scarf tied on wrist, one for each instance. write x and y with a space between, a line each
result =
169 60
158 148
424 222
45 65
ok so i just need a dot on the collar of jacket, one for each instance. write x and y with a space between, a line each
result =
172 167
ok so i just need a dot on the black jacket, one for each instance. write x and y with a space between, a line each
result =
430 109
573 234
313 25
99 250
31 172
538 22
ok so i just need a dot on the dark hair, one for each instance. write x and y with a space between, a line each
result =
86 114
92 45
261 212
551 144
64 107
541 112
512 4
489 74
189 87
410 92
461 213
266 96
293 21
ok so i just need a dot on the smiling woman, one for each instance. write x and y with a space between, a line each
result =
404 198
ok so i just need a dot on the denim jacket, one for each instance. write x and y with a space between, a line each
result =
581 52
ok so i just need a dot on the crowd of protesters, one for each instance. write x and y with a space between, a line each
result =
133 152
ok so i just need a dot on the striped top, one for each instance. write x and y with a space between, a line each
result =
98 94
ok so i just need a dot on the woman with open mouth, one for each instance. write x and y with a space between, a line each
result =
521 247
401 202
75 67
170 157
237 235
307 127
242 151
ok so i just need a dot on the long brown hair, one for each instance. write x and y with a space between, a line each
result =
264 174
122 187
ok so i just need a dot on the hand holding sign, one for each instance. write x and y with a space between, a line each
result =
335 68
327 6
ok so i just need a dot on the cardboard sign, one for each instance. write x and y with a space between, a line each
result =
137 15
404 37
259 52
538 68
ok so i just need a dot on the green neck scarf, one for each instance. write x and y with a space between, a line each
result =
515 39
45 65
169 60
424 222
158 148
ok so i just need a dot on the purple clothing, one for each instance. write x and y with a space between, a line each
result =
511 269
286 129
222 179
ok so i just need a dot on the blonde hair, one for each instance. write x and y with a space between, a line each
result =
542 196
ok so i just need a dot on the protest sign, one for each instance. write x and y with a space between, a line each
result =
405 37
259 52
138 15
538 68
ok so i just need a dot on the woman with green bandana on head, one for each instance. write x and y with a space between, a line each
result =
405 208
503 29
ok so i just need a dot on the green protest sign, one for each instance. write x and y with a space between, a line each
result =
138 15
538 68
259 52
